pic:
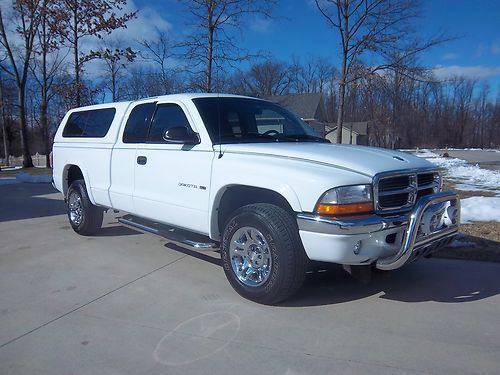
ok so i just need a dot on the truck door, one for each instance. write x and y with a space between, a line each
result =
172 180
123 159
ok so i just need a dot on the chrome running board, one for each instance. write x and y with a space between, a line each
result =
182 236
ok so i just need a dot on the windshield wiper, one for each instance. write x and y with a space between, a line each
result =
247 135
306 137
238 137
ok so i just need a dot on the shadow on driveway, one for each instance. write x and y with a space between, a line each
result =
26 201
439 280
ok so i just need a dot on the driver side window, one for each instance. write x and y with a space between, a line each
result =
167 116
269 121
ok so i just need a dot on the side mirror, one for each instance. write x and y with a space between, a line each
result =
181 134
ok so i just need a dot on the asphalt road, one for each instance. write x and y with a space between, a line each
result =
124 302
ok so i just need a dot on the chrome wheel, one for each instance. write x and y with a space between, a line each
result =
250 256
75 208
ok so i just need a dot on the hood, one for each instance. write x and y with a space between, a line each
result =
360 159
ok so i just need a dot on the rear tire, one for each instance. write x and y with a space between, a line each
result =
84 217
262 254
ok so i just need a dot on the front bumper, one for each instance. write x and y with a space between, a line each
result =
388 242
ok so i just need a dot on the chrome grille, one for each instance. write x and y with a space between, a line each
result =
398 191
394 183
425 178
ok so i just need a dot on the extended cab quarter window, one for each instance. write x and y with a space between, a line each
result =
167 116
89 124
136 129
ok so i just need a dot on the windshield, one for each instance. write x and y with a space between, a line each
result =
243 120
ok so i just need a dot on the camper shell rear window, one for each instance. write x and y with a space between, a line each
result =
93 123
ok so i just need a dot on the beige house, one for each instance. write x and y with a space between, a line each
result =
355 133
309 107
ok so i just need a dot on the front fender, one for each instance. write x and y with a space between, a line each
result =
285 191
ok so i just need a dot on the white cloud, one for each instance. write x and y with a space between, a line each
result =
146 26
15 40
261 25
451 56
480 72
480 50
495 48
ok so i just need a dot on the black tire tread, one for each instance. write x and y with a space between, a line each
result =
93 214
295 261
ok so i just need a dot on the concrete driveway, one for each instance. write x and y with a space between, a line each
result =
124 302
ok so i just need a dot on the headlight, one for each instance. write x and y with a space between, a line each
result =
346 200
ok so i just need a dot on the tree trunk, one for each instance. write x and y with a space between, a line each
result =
208 73
5 140
44 116
44 122
4 126
27 161
113 85
343 79
340 113
78 98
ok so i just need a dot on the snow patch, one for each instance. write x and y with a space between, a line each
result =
468 177
426 154
480 209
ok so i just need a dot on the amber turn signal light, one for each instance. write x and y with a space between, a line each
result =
345 209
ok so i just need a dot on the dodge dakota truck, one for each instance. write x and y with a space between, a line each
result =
250 178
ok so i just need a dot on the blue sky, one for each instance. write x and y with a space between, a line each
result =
299 29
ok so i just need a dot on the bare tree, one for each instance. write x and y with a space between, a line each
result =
142 82
45 67
26 19
483 114
493 136
115 59
160 51
312 76
295 74
382 28
267 78
325 73
78 19
463 90
3 118
214 22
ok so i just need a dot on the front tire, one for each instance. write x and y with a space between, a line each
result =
84 217
262 254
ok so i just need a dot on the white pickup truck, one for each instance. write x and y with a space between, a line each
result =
249 177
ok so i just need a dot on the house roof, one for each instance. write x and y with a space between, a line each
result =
360 128
308 106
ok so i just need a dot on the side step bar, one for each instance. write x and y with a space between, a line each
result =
182 236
